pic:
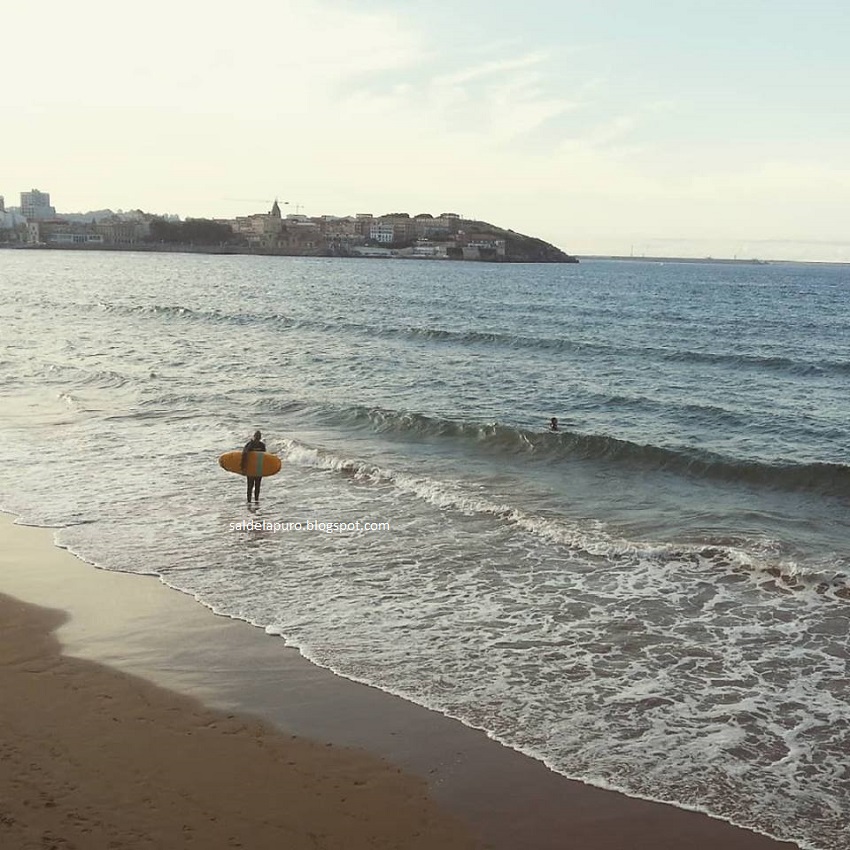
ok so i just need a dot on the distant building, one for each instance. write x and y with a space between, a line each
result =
59 232
429 250
262 230
481 246
302 236
403 228
484 247
10 220
450 222
121 230
35 206
362 223
2 204
427 226
381 231
340 230
67 237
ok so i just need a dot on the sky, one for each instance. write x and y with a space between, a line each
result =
651 127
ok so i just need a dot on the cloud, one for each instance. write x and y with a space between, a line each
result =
200 55
489 69
487 105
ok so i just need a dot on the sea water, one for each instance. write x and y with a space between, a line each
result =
655 598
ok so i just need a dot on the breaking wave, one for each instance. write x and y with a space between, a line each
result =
825 478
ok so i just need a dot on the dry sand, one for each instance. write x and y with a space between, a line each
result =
95 756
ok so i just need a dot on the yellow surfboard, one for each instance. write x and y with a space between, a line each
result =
258 464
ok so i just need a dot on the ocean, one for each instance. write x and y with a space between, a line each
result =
653 599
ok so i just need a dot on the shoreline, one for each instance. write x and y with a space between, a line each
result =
235 250
138 626
577 259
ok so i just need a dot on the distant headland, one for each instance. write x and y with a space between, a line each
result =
645 259
447 236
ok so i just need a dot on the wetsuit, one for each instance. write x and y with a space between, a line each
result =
253 482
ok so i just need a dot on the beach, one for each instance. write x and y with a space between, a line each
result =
629 632
156 723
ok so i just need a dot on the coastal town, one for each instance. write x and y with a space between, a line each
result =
35 223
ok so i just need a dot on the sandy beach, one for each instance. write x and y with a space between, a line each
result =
131 716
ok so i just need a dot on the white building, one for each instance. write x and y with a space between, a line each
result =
68 237
380 231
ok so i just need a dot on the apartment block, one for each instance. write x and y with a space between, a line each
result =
35 206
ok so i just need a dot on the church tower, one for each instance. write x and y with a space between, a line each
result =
275 213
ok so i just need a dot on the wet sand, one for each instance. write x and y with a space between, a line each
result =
163 725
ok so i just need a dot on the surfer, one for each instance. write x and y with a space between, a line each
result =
255 444
553 423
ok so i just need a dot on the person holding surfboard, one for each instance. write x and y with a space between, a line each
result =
255 444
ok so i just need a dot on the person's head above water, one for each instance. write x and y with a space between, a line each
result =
257 435
553 423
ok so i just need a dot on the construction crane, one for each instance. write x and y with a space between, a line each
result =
298 207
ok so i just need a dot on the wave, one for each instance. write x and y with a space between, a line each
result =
825 478
595 543
764 362
72 402
791 577
97 378
446 336
568 345
176 312
588 539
